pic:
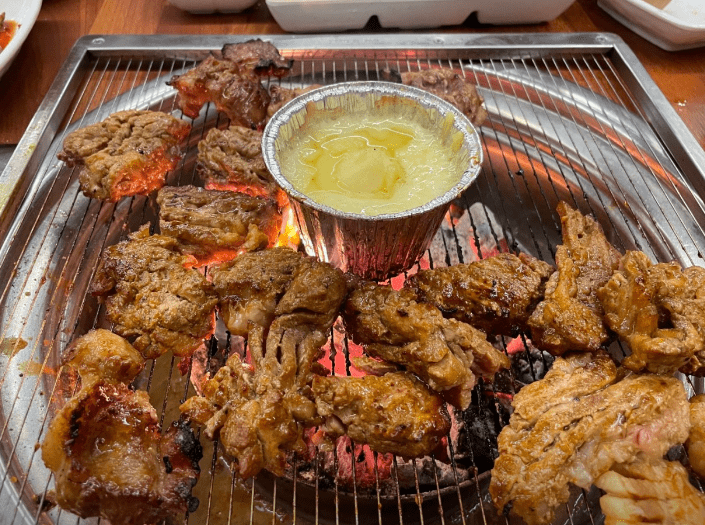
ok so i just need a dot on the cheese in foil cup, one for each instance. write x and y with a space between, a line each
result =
376 241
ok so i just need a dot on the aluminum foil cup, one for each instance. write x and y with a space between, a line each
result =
381 246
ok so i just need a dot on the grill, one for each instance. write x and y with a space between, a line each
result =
571 117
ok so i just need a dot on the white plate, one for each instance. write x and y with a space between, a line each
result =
25 13
679 24
303 16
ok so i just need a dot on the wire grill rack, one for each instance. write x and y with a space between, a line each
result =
571 117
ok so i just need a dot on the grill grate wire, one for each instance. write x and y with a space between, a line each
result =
559 129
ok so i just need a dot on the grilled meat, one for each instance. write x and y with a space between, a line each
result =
394 413
128 153
231 159
152 297
285 304
216 225
453 88
258 57
105 447
570 316
575 424
251 285
232 82
280 96
445 353
655 308
696 440
650 491
497 294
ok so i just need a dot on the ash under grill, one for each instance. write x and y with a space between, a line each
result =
567 121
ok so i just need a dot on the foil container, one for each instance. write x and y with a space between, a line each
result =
380 246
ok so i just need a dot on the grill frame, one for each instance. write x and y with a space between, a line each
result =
22 189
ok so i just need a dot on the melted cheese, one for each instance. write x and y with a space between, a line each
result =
362 165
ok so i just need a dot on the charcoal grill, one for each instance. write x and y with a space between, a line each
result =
571 117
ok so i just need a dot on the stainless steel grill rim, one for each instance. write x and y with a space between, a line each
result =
572 117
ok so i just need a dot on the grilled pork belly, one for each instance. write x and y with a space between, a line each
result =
281 95
576 424
451 87
570 318
216 225
658 310
231 159
650 491
232 82
496 295
394 413
285 304
445 353
696 440
105 447
152 297
129 153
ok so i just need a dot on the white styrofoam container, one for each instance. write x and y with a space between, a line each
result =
679 24
310 16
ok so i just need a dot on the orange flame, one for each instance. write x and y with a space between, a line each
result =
289 235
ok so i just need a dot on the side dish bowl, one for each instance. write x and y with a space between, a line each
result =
381 245
25 13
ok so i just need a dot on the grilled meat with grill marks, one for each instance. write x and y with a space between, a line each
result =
128 153
650 491
285 304
658 310
445 353
497 294
151 296
575 424
394 413
216 225
570 316
105 447
231 159
232 82
453 88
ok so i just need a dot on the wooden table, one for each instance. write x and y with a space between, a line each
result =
680 75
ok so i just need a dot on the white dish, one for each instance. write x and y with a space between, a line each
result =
200 7
310 16
679 24
25 13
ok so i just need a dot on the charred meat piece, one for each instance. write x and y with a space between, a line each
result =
696 441
497 294
285 304
232 82
152 297
453 88
105 448
217 225
650 491
395 413
570 316
576 424
231 159
655 308
445 353
258 57
280 96
129 153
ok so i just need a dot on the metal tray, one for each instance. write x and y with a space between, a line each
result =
571 117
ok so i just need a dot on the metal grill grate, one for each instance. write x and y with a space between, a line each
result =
571 117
